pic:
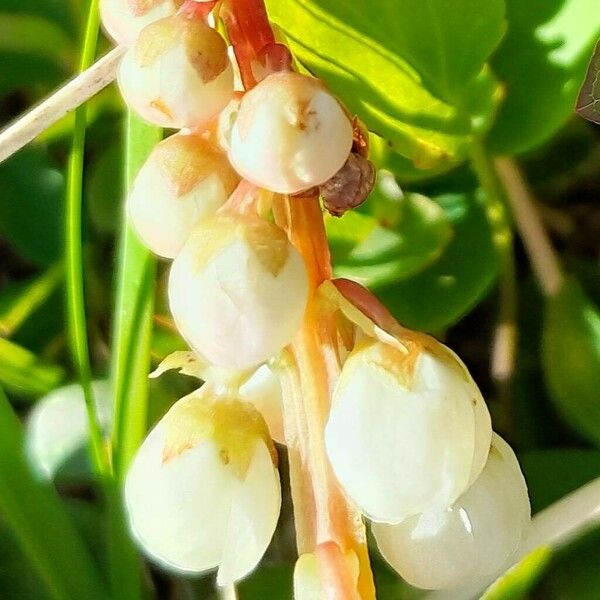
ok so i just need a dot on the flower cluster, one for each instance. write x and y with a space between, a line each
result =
407 435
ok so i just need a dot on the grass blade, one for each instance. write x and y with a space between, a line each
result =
133 315
76 320
131 346
24 373
36 516
15 310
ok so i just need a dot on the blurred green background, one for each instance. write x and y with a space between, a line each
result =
432 88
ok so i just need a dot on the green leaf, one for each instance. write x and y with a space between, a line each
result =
542 63
35 515
516 583
23 373
362 49
417 232
29 34
134 310
18 301
32 193
441 294
131 347
571 358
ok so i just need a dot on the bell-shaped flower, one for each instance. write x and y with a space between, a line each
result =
203 490
57 426
185 180
469 540
238 290
408 429
178 74
262 388
123 20
290 134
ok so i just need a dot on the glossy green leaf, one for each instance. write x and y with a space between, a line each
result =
31 200
39 522
571 358
23 373
416 233
445 291
363 50
516 583
542 63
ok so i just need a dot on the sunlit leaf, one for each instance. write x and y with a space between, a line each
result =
374 55
445 291
517 581
542 62
362 249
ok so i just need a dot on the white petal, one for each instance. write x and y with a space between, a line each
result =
163 219
399 451
58 425
253 518
169 92
179 509
472 539
123 26
233 311
264 391
309 135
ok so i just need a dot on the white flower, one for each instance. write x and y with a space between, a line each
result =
469 540
263 390
178 74
203 491
184 180
123 20
238 290
408 429
57 426
290 134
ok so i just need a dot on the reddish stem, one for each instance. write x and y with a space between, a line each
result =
253 39
196 10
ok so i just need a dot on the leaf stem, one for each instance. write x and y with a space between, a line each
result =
504 346
542 256
72 95
76 319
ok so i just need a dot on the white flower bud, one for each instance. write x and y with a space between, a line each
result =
123 20
178 74
184 180
238 290
290 134
408 429
471 539
203 491
57 427
263 390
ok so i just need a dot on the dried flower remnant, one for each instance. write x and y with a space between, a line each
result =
588 103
